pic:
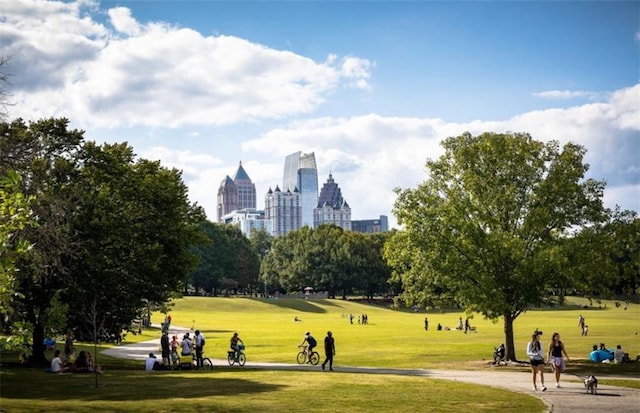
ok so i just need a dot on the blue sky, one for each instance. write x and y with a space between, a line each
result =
370 87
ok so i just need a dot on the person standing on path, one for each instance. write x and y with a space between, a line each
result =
166 348
199 344
534 351
556 350
329 350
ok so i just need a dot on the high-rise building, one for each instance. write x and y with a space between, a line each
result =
283 209
371 225
332 208
301 174
236 193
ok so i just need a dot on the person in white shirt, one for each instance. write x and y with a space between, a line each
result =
56 364
186 345
150 362
199 344
534 351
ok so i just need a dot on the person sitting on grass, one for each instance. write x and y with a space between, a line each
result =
56 364
91 365
151 363
80 364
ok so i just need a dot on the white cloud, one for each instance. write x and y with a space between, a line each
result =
370 155
567 94
154 74
123 22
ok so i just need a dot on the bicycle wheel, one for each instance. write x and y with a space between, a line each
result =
315 358
302 357
207 364
242 359
230 358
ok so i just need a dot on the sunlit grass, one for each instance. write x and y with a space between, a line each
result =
395 338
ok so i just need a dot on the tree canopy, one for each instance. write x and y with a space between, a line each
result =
110 234
485 229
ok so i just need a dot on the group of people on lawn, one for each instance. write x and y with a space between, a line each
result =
84 363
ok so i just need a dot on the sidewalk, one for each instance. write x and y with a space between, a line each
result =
570 398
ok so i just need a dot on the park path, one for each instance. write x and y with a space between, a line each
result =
570 398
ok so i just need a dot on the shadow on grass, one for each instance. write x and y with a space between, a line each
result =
120 386
298 304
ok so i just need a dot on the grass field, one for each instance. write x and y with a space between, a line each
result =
393 338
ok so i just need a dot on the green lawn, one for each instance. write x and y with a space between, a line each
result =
396 338
393 338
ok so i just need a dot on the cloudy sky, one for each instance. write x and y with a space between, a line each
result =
371 87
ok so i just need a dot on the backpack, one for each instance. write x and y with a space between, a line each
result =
202 341
312 341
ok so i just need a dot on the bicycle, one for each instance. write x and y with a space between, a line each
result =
303 356
183 362
240 358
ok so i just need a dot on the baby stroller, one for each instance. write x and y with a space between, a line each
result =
499 355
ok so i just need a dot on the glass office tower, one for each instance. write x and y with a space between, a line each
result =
300 172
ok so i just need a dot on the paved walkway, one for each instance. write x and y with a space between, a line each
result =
571 398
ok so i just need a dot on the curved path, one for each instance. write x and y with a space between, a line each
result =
571 398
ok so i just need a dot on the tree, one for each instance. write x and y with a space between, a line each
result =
111 233
133 226
484 230
15 215
226 260
605 259
43 153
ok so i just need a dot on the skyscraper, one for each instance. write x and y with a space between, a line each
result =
332 208
301 174
236 193
284 211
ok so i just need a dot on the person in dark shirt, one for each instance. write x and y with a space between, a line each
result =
329 350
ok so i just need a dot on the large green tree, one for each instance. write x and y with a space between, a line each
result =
484 229
44 153
133 226
111 233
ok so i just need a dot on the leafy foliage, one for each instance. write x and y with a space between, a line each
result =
485 229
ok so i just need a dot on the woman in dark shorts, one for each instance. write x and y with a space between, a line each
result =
534 351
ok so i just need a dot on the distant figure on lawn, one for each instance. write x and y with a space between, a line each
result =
426 324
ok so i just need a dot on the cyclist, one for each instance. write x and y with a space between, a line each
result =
311 343
235 339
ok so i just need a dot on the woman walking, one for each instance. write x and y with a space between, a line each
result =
556 350
534 351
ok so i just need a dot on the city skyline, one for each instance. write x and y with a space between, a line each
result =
370 87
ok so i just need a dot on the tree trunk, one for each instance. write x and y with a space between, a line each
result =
510 350
38 356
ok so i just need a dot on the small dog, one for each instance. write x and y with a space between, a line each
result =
591 385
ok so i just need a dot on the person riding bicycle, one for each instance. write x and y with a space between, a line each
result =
235 339
311 343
